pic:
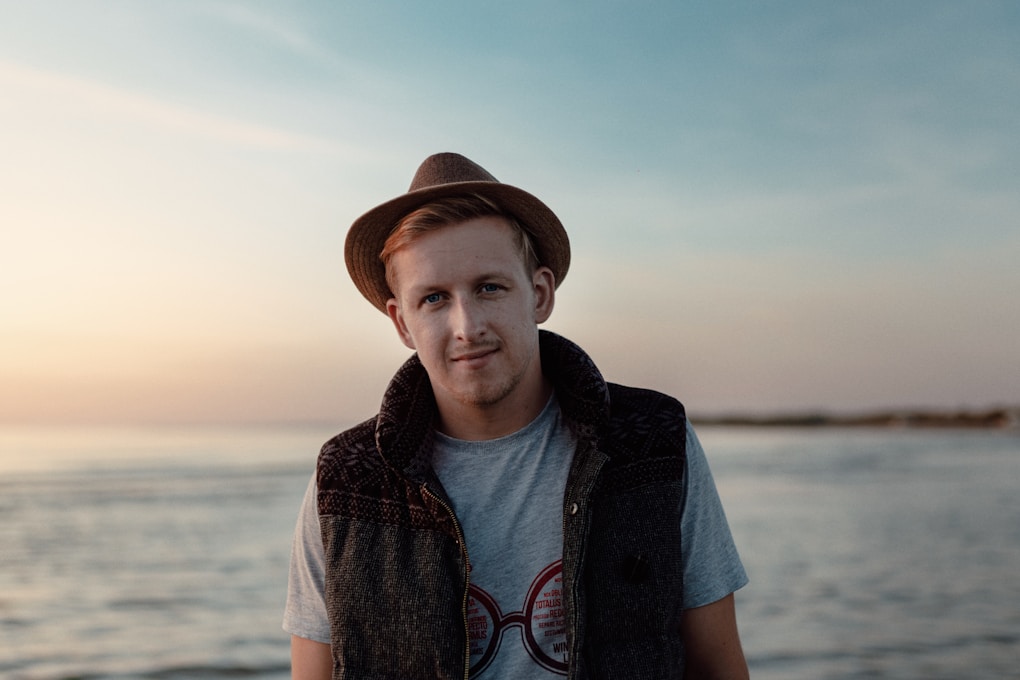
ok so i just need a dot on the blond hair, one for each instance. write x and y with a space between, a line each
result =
448 212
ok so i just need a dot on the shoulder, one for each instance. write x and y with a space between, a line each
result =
645 438
354 440
624 396
352 453
355 482
639 414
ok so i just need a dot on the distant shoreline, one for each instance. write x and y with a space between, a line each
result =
994 418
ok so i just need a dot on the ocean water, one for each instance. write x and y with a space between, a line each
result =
162 553
875 553
147 553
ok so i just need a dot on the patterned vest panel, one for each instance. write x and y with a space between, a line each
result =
395 571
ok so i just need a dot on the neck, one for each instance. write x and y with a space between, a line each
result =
473 422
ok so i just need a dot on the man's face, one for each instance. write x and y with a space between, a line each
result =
463 300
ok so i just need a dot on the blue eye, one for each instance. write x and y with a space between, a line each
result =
490 288
432 299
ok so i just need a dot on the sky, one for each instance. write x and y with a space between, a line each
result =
773 207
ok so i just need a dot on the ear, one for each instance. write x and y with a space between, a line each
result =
393 310
544 285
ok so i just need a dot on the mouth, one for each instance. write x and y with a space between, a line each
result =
474 358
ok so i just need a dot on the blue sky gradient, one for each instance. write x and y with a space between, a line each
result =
773 206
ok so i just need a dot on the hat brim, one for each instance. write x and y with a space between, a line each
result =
368 233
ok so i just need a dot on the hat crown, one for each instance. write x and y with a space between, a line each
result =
448 168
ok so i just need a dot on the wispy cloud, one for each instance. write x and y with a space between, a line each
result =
123 105
279 29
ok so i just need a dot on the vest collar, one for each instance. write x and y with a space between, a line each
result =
405 426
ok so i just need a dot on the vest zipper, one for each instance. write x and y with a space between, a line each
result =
467 577
579 504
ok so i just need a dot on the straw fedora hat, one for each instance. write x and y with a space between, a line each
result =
441 176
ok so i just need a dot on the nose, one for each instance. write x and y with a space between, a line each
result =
468 320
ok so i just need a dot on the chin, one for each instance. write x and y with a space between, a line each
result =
484 395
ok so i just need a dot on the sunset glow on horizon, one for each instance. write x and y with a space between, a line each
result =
771 207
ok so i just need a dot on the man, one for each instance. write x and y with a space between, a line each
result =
508 513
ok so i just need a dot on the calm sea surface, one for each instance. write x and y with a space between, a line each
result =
162 553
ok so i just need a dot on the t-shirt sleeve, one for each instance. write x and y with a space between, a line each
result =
712 567
305 613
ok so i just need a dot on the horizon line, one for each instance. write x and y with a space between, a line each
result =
734 416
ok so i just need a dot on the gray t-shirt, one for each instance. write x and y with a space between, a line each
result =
508 495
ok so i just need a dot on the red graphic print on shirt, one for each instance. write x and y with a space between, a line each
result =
542 624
